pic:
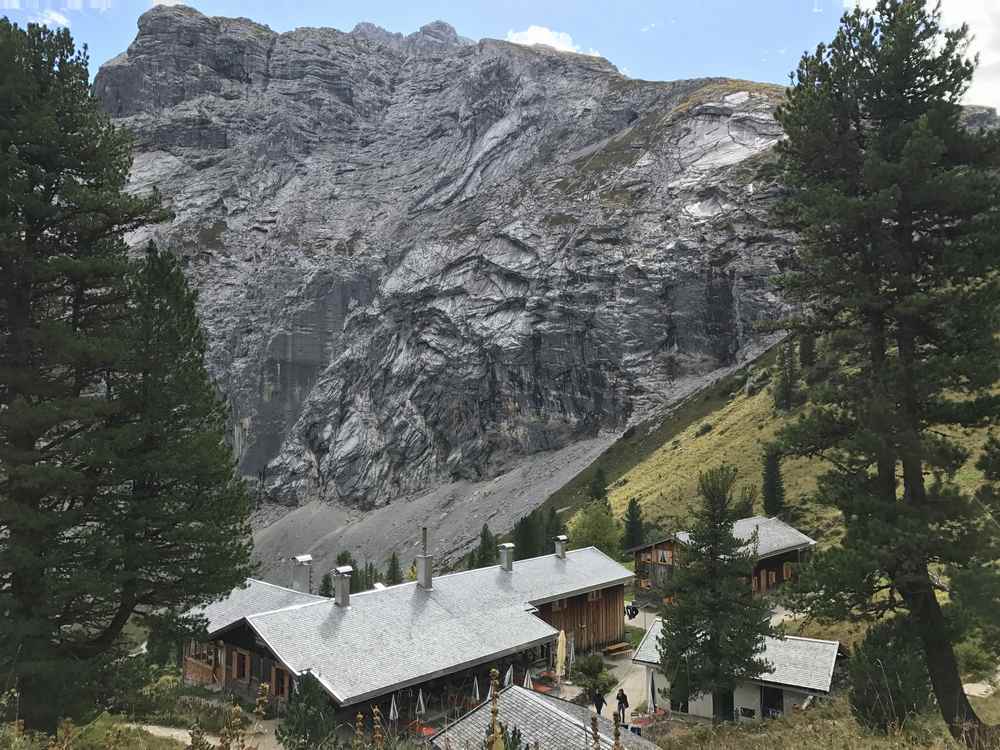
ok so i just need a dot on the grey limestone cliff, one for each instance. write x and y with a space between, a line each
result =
421 259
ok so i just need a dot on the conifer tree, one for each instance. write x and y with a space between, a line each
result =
598 489
393 572
486 554
528 536
899 239
785 377
772 482
326 585
87 536
807 349
713 628
635 528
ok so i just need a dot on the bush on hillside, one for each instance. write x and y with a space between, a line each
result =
889 680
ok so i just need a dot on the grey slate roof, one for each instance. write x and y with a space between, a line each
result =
805 663
773 535
648 651
553 723
256 596
403 635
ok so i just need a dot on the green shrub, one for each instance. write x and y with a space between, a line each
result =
590 673
889 680
703 429
974 662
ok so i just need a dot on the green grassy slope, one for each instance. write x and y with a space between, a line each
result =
658 463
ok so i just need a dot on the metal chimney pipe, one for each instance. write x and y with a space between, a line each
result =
561 542
425 564
342 585
507 556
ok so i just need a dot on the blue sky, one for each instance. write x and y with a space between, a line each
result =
654 39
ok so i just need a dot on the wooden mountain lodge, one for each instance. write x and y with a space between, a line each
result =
780 548
435 633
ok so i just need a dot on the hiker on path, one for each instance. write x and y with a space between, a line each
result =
622 704
598 700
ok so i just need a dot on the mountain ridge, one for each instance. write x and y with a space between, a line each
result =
420 265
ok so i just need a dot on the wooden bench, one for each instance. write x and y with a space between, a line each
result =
618 649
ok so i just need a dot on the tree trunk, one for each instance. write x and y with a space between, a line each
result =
957 712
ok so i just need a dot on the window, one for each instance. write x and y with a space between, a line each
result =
647 556
280 682
786 572
594 596
772 577
240 665
666 557
754 582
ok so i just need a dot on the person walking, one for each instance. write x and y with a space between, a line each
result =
598 700
622 704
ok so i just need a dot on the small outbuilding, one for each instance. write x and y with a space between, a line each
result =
802 668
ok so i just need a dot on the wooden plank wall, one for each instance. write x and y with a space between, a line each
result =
594 624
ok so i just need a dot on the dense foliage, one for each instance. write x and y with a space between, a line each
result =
897 266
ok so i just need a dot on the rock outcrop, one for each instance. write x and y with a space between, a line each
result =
421 259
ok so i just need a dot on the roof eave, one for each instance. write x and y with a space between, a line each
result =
584 590
385 690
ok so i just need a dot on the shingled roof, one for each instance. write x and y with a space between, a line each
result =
805 663
774 536
404 635
551 722
255 596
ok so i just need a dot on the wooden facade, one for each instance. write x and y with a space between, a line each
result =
592 620
237 665
654 567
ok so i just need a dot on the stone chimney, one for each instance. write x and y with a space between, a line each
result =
342 585
302 568
507 556
561 541
425 564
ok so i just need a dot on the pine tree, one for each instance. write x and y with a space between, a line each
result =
486 554
326 585
594 526
895 205
807 350
393 573
85 539
772 482
598 489
785 377
635 530
528 536
713 627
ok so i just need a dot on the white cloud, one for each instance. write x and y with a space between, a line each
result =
648 27
50 18
559 40
983 18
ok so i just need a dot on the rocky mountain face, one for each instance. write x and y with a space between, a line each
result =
423 259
